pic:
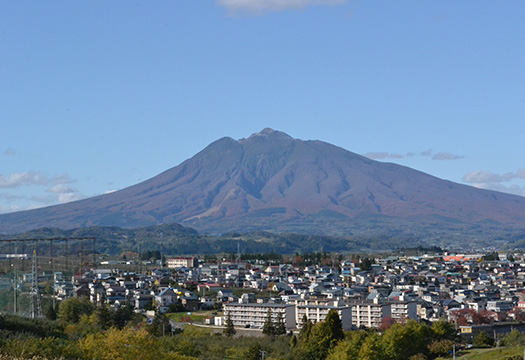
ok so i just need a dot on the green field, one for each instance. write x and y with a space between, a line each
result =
491 354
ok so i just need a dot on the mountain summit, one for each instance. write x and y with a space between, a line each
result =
271 181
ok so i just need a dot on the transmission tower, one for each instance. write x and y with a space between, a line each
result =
36 307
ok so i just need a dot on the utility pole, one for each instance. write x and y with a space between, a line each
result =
263 354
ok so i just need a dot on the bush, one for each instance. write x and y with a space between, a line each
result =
441 347
483 340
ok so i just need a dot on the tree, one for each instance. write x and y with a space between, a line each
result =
443 330
400 342
441 347
104 317
306 328
122 315
253 352
160 326
334 325
49 312
351 347
269 327
71 309
280 328
482 340
229 330
323 337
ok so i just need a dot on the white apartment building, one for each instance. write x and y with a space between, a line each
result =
317 313
401 311
178 262
370 314
254 315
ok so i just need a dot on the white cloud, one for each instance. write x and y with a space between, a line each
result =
446 156
427 153
57 198
265 6
68 197
16 180
491 181
383 155
27 178
480 177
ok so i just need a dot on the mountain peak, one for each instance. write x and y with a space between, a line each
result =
269 132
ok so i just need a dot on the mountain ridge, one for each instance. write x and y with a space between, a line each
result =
271 181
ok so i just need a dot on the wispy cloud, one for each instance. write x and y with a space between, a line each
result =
446 156
28 178
383 155
9 152
426 153
16 180
56 198
491 181
257 7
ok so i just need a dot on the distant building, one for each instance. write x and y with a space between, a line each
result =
189 262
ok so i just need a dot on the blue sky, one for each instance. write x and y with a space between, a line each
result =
96 96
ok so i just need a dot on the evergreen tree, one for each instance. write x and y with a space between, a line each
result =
122 315
482 340
269 327
280 328
104 317
335 325
306 328
229 330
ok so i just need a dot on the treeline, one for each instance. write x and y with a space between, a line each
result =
83 331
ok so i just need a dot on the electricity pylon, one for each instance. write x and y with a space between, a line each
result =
36 307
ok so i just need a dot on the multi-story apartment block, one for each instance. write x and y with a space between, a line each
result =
402 311
316 313
254 314
370 314
189 262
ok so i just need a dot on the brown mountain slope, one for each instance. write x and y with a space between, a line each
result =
271 181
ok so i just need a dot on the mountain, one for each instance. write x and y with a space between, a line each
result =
271 181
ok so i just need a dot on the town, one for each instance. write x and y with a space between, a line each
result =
476 292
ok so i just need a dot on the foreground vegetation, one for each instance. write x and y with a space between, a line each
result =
82 331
